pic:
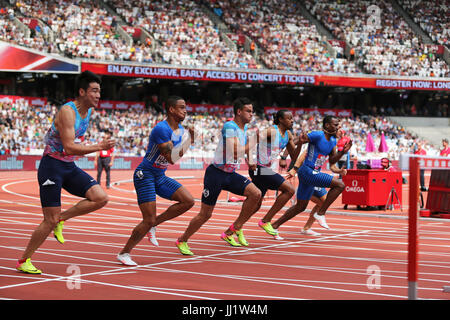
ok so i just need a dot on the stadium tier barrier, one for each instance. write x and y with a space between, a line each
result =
31 162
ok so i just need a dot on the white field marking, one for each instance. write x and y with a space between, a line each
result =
351 270
120 273
286 284
325 269
344 270
249 238
86 219
156 264
96 232
167 291
57 278
395 261
377 241
109 234
240 295
330 212
99 215
331 269
359 284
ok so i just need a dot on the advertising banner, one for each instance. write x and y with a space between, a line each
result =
322 112
259 76
32 101
21 59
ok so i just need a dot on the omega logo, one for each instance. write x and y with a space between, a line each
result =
354 187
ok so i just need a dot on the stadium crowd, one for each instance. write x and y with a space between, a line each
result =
81 29
381 41
432 16
384 44
23 127
288 40
186 36
10 32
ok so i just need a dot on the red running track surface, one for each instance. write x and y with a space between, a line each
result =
362 257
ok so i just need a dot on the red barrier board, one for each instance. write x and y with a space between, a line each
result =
265 76
438 199
370 187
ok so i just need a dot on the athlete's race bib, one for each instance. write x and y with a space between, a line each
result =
320 161
161 162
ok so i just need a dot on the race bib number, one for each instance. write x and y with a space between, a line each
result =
320 161
161 162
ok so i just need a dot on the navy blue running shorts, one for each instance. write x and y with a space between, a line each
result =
266 179
216 180
54 175
308 179
149 183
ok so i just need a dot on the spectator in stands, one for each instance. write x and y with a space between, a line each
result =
390 48
132 128
185 34
104 160
288 40
419 150
432 16
445 152
155 105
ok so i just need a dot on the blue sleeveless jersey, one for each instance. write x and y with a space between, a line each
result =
269 151
53 144
223 158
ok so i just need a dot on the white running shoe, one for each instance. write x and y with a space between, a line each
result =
321 220
277 235
310 232
126 259
152 236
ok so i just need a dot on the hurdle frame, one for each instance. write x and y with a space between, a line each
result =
413 163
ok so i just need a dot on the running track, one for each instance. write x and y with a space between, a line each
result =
363 256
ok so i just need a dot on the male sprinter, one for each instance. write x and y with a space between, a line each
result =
57 168
322 144
167 143
318 196
271 142
222 175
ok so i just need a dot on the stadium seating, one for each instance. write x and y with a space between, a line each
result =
288 40
432 16
384 43
22 128
185 35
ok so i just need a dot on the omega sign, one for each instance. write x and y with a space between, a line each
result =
354 187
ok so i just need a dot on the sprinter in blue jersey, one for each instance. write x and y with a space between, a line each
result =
271 143
167 143
322 145
57 169
222 175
